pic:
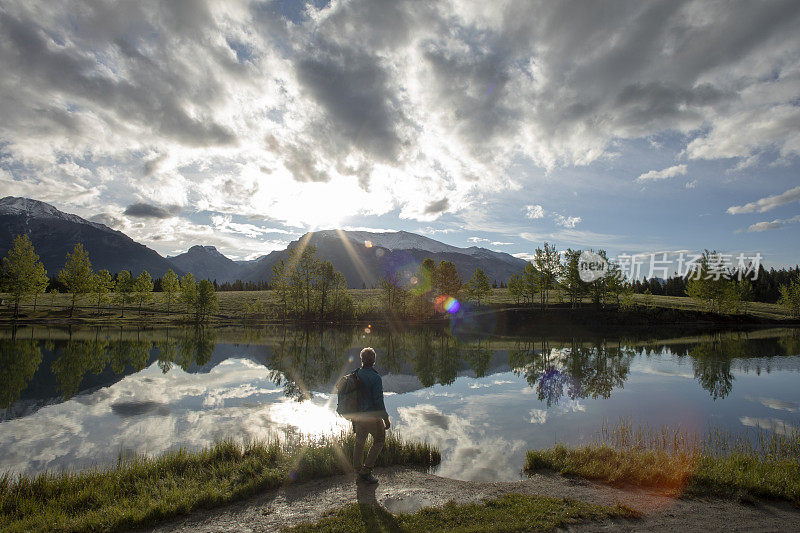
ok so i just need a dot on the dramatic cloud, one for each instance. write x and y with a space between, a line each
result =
315 115
671 172
437 206
765 204
143 210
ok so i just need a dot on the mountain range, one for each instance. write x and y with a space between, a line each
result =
363 257
55 233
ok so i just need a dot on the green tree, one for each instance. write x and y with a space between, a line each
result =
143 289
615 281
206 302
516 287
394 296
102 285
40 283
790 297
22 274
626 301
600 288
549 267
446 279
189 292
281 284
76 275
479 285
124 288
571 280
424 277
170 287
342 304
745 288
325 284
708 282
303 266
530 282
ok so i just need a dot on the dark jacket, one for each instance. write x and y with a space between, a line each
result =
371 398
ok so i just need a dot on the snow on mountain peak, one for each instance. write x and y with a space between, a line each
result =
14 205
404 240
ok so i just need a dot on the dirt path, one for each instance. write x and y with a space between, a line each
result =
404 490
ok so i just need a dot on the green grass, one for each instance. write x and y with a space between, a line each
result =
141 491
678 462
512 512
235 305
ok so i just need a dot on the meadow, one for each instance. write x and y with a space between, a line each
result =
260 306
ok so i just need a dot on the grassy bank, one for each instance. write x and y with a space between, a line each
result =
259 306
141 491
512 512
677 462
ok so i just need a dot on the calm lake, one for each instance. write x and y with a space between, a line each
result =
72 398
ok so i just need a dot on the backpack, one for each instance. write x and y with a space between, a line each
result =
348 389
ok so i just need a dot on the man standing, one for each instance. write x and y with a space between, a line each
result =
372 418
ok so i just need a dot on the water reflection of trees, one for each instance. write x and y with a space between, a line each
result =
306 359
19 360
78 358
711 363
301 360
186 348
574 371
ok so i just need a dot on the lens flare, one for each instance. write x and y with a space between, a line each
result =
446 304
452 305
368 244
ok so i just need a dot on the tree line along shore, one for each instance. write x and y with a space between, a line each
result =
307 288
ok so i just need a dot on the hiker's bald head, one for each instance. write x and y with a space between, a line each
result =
367 357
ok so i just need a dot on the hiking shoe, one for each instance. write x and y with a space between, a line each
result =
367 478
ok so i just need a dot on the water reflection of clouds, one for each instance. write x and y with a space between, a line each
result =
778 405
538 416
666 372
776 425
482 425
468 452
151 412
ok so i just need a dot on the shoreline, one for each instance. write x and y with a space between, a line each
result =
488 317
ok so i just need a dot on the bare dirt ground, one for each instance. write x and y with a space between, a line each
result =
406 490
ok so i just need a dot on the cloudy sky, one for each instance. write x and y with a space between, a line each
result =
629 126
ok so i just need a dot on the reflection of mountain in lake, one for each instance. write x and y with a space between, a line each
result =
38 372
